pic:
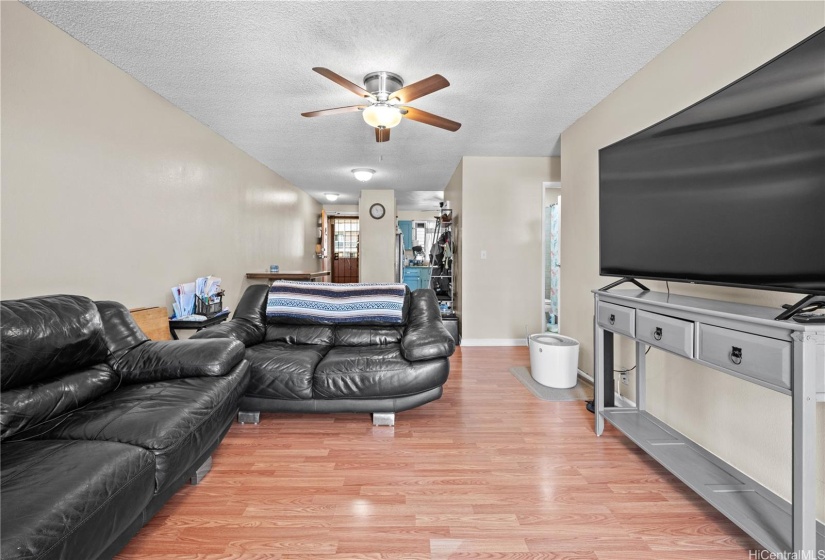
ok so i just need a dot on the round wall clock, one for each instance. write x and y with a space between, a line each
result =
377 211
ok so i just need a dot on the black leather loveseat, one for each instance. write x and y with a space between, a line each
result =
346 366
100 426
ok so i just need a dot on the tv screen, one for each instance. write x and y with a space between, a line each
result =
730 190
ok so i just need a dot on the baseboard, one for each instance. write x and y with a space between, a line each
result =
623 401
494 342
617 398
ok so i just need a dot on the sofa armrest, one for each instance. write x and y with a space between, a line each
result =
425 337
176 359
237 329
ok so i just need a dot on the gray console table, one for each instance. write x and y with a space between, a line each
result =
740 340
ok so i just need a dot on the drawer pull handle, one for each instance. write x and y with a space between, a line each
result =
657 334
612 319
736 355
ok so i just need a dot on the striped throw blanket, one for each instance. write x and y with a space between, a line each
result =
325 303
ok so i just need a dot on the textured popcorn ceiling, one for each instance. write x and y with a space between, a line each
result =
520 73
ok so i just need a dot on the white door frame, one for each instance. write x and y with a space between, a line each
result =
544 187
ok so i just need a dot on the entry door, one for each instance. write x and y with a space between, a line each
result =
345 234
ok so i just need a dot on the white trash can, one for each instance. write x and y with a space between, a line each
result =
554 360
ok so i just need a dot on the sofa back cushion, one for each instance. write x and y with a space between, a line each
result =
337 304
300 334
46 337
120 331
367 336
27 411
252 306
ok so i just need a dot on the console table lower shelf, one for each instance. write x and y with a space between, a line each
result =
756 510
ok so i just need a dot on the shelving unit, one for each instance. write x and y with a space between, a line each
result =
442 277
744 341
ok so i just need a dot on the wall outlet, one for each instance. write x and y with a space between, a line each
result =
484 254
625 381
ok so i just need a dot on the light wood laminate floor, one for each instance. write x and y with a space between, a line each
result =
487 471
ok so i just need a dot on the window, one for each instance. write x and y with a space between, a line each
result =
345 242
423 233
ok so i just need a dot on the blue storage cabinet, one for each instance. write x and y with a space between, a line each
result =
406 227
412 277
417 277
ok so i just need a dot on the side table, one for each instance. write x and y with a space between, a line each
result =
196 325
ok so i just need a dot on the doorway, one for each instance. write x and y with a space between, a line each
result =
551 254
345 235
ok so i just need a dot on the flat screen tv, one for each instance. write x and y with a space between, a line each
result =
729 191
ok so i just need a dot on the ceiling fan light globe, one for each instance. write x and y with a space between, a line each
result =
382 116
363 174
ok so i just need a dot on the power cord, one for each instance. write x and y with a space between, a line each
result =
591 404
634 367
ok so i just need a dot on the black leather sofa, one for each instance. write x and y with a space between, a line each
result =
99 426
343 367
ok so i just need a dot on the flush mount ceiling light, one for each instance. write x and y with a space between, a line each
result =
331 196
386 98
363 174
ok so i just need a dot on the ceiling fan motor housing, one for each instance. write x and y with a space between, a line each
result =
382 84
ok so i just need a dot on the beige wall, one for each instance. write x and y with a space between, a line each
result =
746 425
338 209
501 213
111 192
418 215
377 242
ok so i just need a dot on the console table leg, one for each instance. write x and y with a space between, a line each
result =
607 370
641 381
804 432
603 385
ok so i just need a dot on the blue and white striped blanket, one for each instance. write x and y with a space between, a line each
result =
321 302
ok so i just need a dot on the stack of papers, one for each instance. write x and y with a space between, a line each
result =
197 318
184 295
207 289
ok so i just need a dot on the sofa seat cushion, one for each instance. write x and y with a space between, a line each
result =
70 499
367 336
282 370
300 334
375 372
176 420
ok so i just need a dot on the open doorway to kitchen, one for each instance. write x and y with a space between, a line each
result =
551 254
345 235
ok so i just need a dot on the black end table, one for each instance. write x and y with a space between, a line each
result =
175 324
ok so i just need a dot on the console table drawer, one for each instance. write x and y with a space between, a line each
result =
617 318
674 335
761 357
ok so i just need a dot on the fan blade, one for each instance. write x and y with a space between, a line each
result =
324 112
421 88
430 119
341 81
382 134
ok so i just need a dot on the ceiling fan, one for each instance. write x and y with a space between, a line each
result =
387 96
